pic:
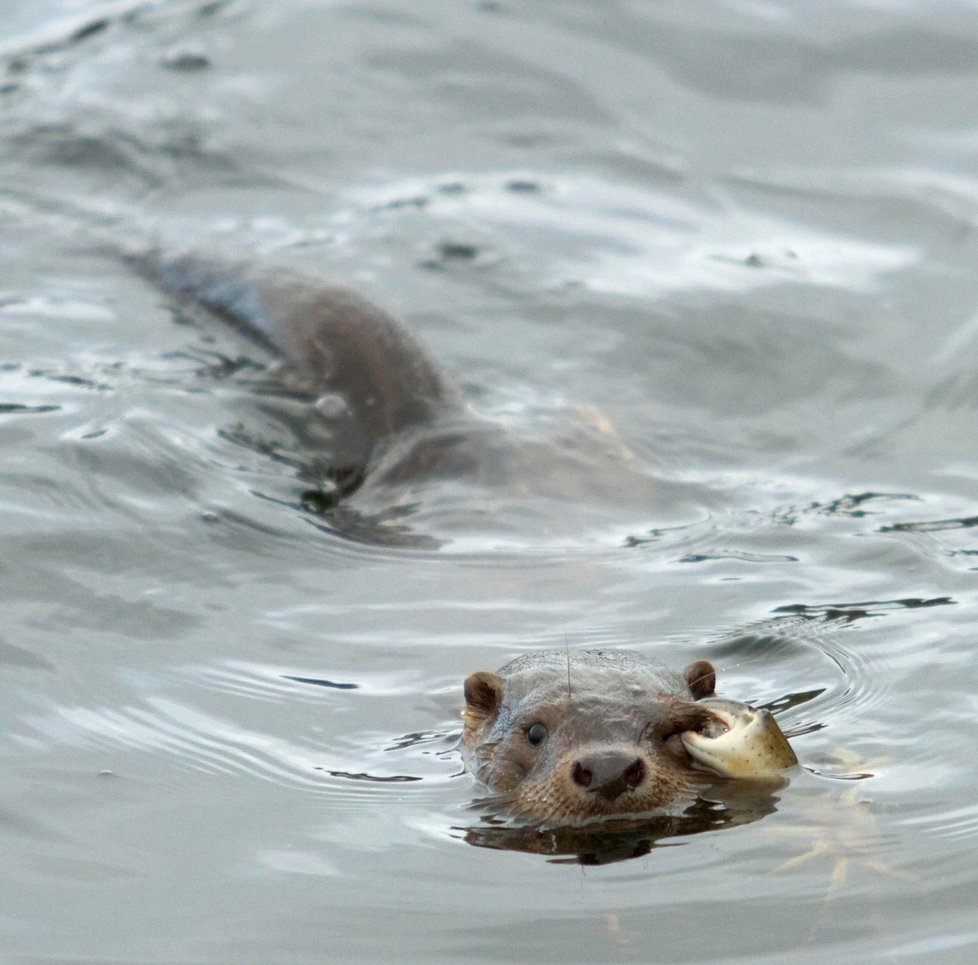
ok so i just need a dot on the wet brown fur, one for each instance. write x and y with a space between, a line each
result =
604 707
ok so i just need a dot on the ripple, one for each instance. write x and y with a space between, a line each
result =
814 699
254 681
932 526
275 734
849 612
194 740
713 537
948 538
20 657
640 241
15 408
373 778
269 682
739 555
959 823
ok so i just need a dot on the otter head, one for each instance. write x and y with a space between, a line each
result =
571 738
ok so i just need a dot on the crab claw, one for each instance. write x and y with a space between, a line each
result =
747 742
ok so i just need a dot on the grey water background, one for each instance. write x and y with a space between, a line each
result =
743 232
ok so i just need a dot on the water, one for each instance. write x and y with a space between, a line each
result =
742 232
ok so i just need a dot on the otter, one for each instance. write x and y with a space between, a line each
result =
398 437
568 738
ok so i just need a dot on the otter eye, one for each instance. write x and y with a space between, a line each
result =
536 734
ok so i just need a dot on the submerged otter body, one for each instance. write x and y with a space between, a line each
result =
328 339
571 737
401 440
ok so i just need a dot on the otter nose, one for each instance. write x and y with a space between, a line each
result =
608 774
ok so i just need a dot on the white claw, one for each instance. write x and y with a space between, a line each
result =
751 746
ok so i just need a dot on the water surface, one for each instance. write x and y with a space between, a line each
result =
741 232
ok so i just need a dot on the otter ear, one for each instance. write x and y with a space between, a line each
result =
701 678
483 695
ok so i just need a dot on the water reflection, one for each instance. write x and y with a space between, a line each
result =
725 805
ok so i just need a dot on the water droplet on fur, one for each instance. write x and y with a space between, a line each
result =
331 405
